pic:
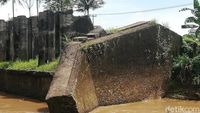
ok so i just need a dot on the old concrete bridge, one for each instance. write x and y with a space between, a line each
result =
131 65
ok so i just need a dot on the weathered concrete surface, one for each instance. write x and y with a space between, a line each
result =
44 36
82 24
3 40
33 38
98 31
20 40
72 89
131 65
29 84
46 39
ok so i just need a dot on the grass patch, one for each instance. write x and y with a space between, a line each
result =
31 65
23 65
4 65
112 30
48 67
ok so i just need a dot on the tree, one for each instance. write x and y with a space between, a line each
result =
13 26
58 5
37 6
28 4
186 66
13 5
193 19
86 5
69 4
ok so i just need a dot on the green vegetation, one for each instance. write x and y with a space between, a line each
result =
19 65
195 20
191 39
31 65
186 67
59 5
153 22
185 80
66 40
4 65
48 67
112 30
86 5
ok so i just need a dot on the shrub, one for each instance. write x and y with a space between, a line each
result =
182 70
196 70
196 65
186 68
191 46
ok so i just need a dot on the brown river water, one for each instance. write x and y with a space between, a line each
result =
16 104
153 106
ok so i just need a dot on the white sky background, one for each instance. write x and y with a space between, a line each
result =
172 17
6 10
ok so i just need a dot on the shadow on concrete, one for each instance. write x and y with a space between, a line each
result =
43 110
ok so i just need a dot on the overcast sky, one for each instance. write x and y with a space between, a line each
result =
172 17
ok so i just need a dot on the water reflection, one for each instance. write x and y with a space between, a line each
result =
16 104
153 106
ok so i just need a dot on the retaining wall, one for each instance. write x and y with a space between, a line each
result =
26 83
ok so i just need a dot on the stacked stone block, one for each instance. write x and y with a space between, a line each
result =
33 37
10 42
57 34
63 21
82 24
46 37
3 40
21 38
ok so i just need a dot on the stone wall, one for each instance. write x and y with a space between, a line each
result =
3 40
82 24
30 84
131 65
21 38
47 37
41 36
33 37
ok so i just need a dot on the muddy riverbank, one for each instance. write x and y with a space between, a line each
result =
184 93
175 90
